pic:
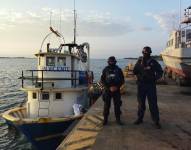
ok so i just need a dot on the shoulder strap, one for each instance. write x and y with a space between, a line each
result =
117 69
149 61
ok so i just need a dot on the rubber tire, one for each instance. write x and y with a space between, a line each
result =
180 81
174 75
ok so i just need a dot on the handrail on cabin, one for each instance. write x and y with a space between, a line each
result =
40 80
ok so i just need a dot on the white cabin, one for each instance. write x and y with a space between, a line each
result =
60 81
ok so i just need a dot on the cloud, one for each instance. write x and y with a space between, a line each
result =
103 18
8 18
104 24
103 29
144 28
167 20
90 23
33 15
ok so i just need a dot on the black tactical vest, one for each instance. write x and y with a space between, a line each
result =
112 76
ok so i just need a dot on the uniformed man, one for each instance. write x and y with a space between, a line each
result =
148 71
112 78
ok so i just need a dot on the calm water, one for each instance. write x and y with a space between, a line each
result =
11 95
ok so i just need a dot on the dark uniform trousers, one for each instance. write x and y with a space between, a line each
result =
147 90
107 96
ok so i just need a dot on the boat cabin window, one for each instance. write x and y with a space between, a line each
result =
39 61
50 61
188 36
183 33
45 96
167 44
170 43
34 95
61 61
58 96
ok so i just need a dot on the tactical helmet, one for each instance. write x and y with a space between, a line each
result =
112 59
147 49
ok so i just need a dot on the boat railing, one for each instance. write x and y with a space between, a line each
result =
183 45
38 79
188 44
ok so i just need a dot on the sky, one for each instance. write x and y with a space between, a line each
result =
111 27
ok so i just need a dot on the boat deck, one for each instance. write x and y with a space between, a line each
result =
174 104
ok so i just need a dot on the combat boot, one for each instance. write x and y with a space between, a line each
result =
158 125
119 122
138 121
105 121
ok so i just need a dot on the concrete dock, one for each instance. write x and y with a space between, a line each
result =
175 113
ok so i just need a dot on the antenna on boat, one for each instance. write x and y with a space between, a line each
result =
50 18
180 10
60 20
180 26
75 21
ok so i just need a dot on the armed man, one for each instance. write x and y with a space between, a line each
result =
148 71
112 78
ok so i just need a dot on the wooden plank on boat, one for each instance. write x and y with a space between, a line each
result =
55 89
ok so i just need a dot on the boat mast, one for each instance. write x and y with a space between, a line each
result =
74 21
180 7
180 11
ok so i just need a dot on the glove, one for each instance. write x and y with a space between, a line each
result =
113 88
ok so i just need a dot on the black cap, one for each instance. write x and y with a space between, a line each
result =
111 59
147 49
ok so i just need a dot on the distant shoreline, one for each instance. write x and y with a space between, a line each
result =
16 57
154 56
130 58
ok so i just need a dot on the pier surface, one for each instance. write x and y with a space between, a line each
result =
175 113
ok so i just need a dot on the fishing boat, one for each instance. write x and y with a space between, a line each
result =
177 54
57 92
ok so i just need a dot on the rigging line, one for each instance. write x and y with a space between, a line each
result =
50 18
50 25
60 14
60 20
74 21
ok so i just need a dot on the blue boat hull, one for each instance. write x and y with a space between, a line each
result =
46 136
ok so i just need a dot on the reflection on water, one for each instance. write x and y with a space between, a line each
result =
11 96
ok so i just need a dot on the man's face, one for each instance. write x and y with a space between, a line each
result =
145 53
111 63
